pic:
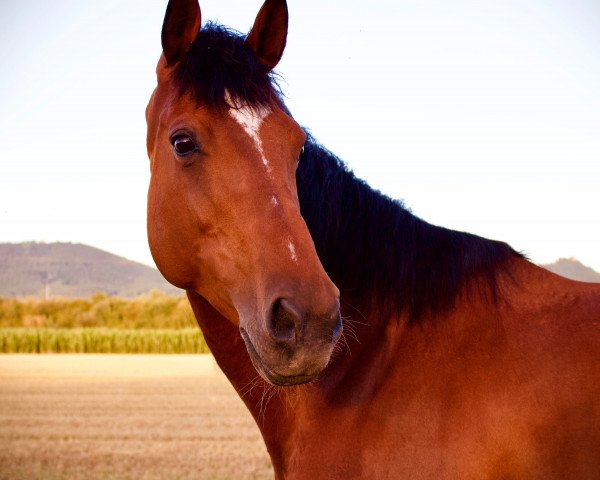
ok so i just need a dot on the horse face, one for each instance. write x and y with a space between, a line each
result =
223 211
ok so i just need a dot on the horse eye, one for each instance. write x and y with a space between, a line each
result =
184 145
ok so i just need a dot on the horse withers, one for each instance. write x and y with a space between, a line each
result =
366 342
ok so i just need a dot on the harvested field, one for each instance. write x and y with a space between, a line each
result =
143 417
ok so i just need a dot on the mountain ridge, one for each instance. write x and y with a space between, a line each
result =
573 269
73 270
77 270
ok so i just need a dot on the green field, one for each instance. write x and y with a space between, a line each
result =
101 340
152 323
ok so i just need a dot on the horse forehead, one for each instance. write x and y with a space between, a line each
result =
250 118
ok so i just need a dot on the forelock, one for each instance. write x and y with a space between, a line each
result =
220 62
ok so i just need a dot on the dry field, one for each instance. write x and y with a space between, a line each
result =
142 417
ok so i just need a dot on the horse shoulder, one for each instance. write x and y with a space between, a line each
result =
552 343
496 389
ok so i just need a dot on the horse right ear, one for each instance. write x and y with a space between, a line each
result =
269 32
180 28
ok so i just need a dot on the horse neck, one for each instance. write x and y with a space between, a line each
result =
228 348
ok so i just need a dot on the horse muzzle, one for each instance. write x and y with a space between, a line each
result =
290 346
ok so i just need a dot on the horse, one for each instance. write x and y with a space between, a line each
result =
366 342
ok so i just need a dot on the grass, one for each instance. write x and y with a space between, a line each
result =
151 323
101 340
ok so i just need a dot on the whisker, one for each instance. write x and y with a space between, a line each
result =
250 386
356 310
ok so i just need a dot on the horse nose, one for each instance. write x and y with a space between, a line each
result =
287 323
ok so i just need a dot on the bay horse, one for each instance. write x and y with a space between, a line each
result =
365 342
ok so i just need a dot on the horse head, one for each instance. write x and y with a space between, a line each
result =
223 212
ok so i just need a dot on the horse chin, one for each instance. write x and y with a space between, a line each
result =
270 375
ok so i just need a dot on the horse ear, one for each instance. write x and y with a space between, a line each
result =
180 28
268 35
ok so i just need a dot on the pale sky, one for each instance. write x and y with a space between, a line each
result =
482 116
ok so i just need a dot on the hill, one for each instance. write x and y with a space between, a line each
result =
76 270
73 270
573 269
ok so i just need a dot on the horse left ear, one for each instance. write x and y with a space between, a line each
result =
180 28
268 35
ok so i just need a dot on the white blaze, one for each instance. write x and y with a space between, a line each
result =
250 119
292 249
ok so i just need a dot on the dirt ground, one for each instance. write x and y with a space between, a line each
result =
143 417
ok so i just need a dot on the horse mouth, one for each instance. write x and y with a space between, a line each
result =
269 374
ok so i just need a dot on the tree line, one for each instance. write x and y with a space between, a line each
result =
154 310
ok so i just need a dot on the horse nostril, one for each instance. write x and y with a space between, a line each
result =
285 321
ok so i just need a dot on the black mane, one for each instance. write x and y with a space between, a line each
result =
381 255
377 252
220 61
